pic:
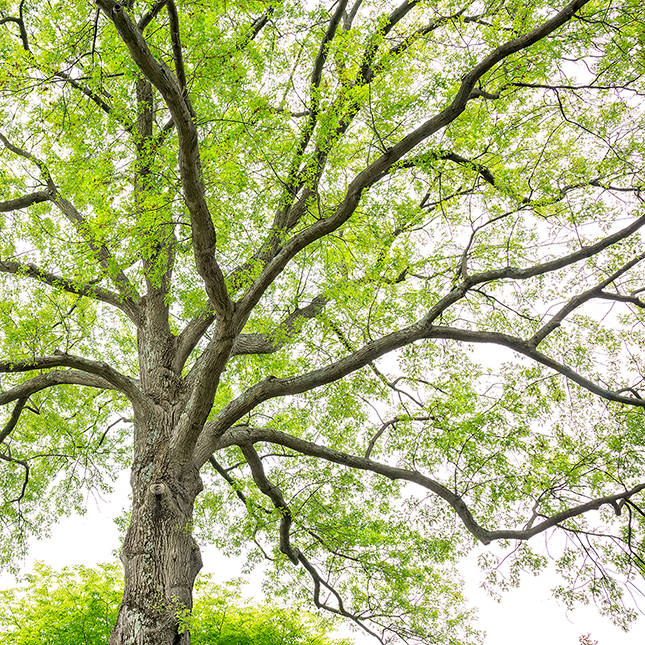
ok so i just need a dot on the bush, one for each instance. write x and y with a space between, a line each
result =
79 605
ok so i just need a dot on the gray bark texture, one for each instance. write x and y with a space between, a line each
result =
160 556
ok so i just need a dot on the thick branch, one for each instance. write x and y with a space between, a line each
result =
202 382
257 26
302 180
276 387
619 297
50 379
276 497
13 419
240 435
349 16
381 166
20 21
247 343
190 336
150 15
515 273
554 520
120 381
422 329
272 342
24 201
203 232
175 38
158 262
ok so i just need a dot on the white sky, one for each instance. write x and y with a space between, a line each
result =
526 616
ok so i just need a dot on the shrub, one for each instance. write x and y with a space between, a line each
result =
79 606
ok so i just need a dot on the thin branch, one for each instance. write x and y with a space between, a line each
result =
579 300
100 250
76 84
25 465
527 348
391 423
295 555
489 177
21 152
93 96
231 482
129 295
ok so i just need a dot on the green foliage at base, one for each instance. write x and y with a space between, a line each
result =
79 606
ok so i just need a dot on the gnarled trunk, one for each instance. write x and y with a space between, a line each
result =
160 557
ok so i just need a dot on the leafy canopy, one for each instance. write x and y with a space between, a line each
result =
321 212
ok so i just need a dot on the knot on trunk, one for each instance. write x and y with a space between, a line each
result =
159 500
158 488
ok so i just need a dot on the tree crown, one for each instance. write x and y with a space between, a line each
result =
287 227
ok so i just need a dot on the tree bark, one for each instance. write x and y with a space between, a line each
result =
160 557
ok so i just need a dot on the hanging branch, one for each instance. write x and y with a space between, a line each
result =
244 436
295 555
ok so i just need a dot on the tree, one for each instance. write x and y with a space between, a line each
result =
585 639
80 605
254 246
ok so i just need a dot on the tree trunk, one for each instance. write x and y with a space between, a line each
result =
160 557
